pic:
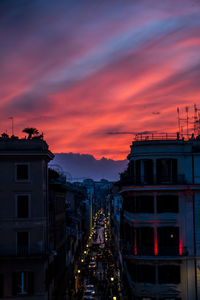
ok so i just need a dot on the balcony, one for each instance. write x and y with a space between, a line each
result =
168 251
22 251
149 251
144 180
141 251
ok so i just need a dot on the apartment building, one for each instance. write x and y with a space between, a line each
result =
57 233
160 225
24 218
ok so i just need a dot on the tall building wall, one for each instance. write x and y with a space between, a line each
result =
24 255
160 236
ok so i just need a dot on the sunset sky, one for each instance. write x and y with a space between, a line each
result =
83 71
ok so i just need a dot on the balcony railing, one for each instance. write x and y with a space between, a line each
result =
22 251
162 136
149 251
144 180
138 251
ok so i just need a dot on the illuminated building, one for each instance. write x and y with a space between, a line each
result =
160 227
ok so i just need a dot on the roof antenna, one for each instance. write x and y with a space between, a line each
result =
179 124
187 119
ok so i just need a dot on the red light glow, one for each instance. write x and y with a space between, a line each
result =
180 247
155 242
135 243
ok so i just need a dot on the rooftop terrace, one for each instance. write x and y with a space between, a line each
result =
164 136
14 144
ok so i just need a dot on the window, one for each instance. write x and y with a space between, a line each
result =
144 171
1 286
22 243
145 240
148 171
22 206
145 204
166 171
131 168
139 204
23 283
22 172
142 273
129 204
128 239
167 203
138 171
168 240
169 274
146 273
132 270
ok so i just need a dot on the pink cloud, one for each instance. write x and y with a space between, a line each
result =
101 69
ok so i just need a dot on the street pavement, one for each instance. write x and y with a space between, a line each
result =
97 265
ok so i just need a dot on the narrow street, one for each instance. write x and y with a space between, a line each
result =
98 276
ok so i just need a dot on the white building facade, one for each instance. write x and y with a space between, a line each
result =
160 227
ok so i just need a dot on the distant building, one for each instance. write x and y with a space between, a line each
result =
57 233
160 226
116 206
24 219
77 232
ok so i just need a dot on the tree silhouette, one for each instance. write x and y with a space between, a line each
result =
4 135
31 131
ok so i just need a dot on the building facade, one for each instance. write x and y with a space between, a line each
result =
24 218
57 233
160 225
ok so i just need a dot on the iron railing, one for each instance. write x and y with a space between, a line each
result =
149 251
22 251
162 136
149 180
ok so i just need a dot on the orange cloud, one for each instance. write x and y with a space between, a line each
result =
95 69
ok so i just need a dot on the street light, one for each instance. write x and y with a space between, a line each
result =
79 271
112 279
114 298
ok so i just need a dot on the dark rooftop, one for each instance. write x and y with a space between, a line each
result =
15 144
